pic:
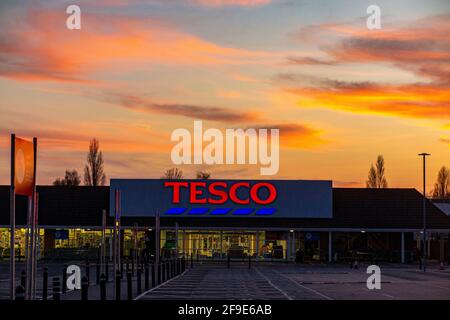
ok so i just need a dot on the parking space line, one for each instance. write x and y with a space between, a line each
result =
273 285
302 286
161 284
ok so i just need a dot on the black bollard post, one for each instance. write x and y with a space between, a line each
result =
118 283
153 276
84 288
88 271
45 284
121 266
249 262
102 287
147 282
163 272
192 260
129 286
139 280
169 270
23 278
159 272
174 267
97 273
107 271
127 266
132 267
20 293
64 279
183 264
228 262
56 291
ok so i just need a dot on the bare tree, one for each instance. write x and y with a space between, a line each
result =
94 174
71 178
442 186
376 177
203 175
173 174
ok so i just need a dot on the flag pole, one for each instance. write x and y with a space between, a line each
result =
12 221
33 225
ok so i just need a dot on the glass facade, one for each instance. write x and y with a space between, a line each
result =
203 244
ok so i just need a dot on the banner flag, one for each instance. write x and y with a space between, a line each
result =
24 167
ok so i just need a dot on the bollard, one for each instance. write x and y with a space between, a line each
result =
127 266
153 276
56 289
132 267
192 260
97 273
139 280
228 262
20 293
169 269
129 286
121 266
84 288
174 267
45 284
102 287
23 278
64 279
183 264
88 270
249 262
118 280
159 273
163 272
147 282
107 272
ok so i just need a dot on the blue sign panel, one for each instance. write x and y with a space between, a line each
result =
223 198
61 234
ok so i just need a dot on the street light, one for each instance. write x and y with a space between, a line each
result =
424 236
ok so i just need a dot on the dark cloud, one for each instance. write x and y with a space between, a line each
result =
136 103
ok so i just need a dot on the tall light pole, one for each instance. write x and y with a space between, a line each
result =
424 260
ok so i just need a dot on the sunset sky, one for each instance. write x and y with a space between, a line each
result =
341 94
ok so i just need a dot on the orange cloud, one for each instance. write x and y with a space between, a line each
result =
43 49
422 48
412 101
445 140
297 136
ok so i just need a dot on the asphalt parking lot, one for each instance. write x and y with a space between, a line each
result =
277 281
303 282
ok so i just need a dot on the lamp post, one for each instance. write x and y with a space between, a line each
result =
424 155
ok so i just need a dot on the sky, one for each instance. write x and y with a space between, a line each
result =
340 94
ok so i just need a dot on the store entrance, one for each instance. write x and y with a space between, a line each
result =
218 245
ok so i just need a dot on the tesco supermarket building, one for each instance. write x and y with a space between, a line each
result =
210 219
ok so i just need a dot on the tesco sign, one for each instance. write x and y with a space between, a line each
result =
222 198
220 192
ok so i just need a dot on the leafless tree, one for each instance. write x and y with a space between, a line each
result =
442 186
94 174
173 174
376 177
203 175
71 178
